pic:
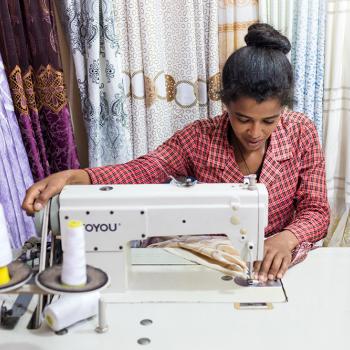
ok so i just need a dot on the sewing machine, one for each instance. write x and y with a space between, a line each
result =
153 293
115 215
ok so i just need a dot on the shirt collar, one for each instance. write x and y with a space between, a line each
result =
220 150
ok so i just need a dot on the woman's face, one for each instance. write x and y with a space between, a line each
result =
253 122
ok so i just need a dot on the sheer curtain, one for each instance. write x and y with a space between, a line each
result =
170 64
337 121
304 24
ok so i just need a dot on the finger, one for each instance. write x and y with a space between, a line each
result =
48 192
275 267
284 267
31 195
265 267
257 266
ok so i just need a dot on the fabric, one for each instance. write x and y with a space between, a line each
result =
214 252
304 24
29 49
293 170
91 31
234 19
15 174
170 64
337 121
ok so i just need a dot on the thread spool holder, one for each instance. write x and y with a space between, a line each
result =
48 278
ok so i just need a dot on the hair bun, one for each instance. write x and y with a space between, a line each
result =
265 36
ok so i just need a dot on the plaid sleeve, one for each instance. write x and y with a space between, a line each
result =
312 214
173 157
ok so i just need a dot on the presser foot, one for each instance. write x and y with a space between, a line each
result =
244 282
249 282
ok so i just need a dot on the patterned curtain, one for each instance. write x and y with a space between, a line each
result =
29 49
15 175
235 16
304 23
337 121
91 32
170 64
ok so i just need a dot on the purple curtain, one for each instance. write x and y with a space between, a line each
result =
29 48
15 174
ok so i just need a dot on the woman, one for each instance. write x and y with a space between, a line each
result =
255 134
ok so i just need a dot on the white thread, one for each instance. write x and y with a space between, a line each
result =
74 262
5 247
70 309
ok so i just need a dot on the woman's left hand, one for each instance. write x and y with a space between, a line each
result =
277 256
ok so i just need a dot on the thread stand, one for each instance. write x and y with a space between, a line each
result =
20 274
49 280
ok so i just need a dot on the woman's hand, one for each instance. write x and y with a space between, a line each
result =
277 256
39 193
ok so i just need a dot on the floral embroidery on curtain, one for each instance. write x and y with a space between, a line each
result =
91 32
28 44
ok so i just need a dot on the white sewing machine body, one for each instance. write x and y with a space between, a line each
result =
115 215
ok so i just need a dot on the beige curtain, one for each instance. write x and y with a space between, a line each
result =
235 16
337 121
278 13
170 64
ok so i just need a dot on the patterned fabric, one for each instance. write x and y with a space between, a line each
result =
15 175
170 66
337 121
28 46
214 252
234 19
91 31
304 24
293 170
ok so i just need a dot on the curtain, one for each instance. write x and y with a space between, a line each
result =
337 121
304 24
29 49
234 19
15 174
170 64
91 31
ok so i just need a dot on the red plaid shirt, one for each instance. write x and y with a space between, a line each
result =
293 170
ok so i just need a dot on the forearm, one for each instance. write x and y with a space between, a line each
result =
290 239
77 177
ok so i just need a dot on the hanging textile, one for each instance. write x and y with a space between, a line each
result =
337 121
15 174
92 36
304 24
170 64
29 50
234 19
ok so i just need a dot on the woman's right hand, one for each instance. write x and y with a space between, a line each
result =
39 193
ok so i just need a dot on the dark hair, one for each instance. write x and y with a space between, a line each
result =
260 70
